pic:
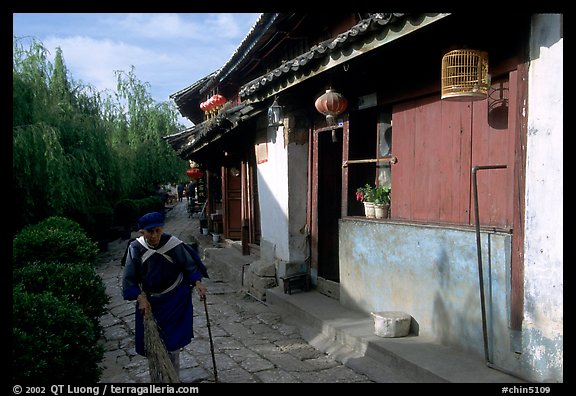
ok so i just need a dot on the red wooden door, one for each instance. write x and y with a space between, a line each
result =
437 143
431 140
232 202
493 141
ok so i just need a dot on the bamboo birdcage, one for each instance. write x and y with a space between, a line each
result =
465 75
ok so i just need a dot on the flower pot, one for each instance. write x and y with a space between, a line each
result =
215 237
381 211
369 209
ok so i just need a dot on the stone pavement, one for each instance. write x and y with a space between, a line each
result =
251 342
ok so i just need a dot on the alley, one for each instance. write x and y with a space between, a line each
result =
251 343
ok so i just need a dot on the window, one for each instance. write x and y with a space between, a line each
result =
368 154
436 143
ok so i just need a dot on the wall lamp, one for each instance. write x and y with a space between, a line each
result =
275 115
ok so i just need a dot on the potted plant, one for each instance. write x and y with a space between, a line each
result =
366 195
381 201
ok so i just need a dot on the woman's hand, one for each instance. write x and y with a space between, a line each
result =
201 289
143 304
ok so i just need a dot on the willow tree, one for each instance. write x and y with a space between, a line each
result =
149 160
73 147
40 163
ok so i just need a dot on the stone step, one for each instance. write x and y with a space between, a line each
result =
329 326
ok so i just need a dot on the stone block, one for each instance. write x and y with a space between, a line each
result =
391 323
263 268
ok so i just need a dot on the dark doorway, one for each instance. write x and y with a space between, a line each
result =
328 202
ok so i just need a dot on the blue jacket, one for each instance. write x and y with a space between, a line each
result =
167 275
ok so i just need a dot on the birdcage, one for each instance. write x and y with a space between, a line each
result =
465 75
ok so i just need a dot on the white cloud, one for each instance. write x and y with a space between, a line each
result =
203 27
94 61
168 51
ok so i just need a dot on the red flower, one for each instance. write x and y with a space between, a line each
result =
360 196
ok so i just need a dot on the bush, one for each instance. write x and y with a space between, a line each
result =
151 204
61 223
52 341
125 212
46 242
77 283
101 219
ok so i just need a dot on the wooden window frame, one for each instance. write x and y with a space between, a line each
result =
377 159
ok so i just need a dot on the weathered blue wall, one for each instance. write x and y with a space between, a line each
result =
431 273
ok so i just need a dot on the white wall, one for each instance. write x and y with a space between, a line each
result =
542 337
273 197
282 185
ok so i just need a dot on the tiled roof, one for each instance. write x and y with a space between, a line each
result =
254 36
366 26
189 90
260 27
193 139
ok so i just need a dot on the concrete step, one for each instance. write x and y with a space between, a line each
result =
349 336
230 261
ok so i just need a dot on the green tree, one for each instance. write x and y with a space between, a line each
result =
75 148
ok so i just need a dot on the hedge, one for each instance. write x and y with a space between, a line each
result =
46 241
76 282
52 341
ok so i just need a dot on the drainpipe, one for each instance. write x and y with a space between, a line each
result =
475 169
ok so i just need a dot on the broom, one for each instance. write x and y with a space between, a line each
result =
161 368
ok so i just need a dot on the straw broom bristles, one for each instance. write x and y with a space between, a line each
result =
161 368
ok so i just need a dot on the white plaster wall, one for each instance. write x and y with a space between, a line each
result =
273 197
543 247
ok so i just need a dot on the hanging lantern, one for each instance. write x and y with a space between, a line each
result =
219 100
195 173
331 104
465 75
275 115
210 103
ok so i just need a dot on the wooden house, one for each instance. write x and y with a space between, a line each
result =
472 245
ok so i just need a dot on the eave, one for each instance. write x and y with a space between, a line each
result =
190 141
368 35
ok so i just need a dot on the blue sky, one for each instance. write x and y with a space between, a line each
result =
170 51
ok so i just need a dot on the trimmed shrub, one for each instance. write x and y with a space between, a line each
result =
150 204
77 282
61 223
99 225
101 221
125 212
52 341
46 242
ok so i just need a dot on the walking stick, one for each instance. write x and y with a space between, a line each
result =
211 344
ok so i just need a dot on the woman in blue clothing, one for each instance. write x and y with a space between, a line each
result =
160 273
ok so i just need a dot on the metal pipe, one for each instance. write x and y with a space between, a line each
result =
491 365
475 169
388 158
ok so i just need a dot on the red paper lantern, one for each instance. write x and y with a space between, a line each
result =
331 104
219 100
195 173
